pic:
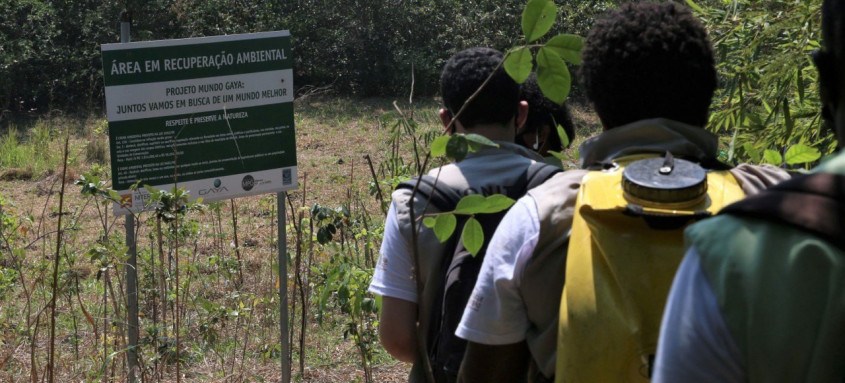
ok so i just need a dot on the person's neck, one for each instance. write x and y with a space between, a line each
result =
495 132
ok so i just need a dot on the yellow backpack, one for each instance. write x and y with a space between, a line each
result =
623 252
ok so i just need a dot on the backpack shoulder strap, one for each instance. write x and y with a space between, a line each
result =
443 197
539 172
814 203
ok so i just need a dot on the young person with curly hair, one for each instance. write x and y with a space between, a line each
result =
648 70
495 113
759 295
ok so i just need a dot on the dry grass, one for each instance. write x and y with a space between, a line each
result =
333 136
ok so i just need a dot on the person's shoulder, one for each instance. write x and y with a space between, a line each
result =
555 203
560 188
401 198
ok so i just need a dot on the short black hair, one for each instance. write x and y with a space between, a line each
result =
833 24
648 60
464 73
542 111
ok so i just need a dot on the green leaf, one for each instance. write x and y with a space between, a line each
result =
429 222
471 204
438 146
153 191
445 226
457 147
567 46
801 154
752 152
767 106
496 203
472 236
477 142
113 195
553 75
787 117
772 157
564 138
695 7
538 18
518 64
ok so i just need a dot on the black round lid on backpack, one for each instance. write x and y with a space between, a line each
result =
666 180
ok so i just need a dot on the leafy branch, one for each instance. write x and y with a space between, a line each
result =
549 60
472 235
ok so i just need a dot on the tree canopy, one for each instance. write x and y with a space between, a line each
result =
50 58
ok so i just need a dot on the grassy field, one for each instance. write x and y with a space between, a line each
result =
207 281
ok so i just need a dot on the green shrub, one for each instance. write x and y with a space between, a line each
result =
768 103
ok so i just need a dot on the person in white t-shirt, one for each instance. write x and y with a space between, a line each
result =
495 112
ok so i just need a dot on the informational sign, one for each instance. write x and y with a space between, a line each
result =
212 115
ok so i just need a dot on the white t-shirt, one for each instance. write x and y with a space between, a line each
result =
394 275
695 343
488 171
496 313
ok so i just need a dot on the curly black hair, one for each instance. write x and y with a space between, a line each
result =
464 73
542 111
833 24
648 60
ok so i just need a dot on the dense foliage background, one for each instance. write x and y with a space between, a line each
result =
49 50
225 307
767 103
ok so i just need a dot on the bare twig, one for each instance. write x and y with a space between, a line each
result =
50 365
299 281
380 197
237 244
177 308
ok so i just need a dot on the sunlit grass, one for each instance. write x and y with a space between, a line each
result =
34 150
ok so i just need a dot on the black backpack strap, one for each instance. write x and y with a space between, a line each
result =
814 203
538 173
443 197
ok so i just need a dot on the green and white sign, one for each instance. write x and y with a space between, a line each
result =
213 115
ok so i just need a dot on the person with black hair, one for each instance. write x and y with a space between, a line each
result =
759 295
544 116
494 112
648 70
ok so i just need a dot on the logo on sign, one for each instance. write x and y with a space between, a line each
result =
248 182
218 188
126 200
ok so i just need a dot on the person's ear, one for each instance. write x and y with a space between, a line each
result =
446 119
521 115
